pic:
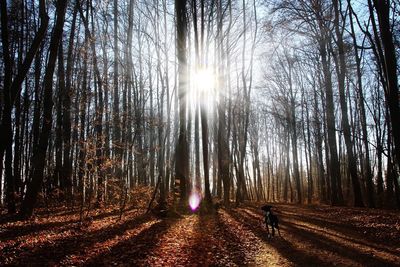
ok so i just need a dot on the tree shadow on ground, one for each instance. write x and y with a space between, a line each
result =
134 251
283 246
13 232
32 227
215 243
294 246
330 218
55 251
351 239
341 229
232 242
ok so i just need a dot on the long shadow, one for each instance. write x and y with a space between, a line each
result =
103 215
215 238
336 247
7 218
312 219
252 215
301 257
231 241
347 232
13 232
285 248
42 213
215 244
134 251
59 249
350 239
341 227
197 253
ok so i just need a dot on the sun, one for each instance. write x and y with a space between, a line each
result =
203 83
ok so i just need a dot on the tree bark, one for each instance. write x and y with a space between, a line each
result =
12 88
67 157
334 168
40 152
181 153
341 72
390 71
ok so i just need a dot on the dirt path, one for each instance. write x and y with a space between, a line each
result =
311 236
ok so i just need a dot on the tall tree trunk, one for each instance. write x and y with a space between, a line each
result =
287 169
324 185
82 144
223 152
361 100
334 168
198 65
40 152
116 116
67 157
12 88
341 72
307 147
293 130
58 179
204 135
181 153
390 71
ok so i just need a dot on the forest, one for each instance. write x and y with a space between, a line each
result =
150 132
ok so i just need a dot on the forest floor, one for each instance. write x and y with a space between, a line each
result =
311 236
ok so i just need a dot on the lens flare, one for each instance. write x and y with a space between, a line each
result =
194 201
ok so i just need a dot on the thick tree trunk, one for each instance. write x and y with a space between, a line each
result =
181 153
390 71
334 168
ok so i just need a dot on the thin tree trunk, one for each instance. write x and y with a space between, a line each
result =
58 179
116 116
67 157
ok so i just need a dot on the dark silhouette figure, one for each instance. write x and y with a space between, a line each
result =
270 219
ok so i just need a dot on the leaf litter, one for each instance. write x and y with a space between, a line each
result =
311 235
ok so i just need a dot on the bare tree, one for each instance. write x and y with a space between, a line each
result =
181 153
40 152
